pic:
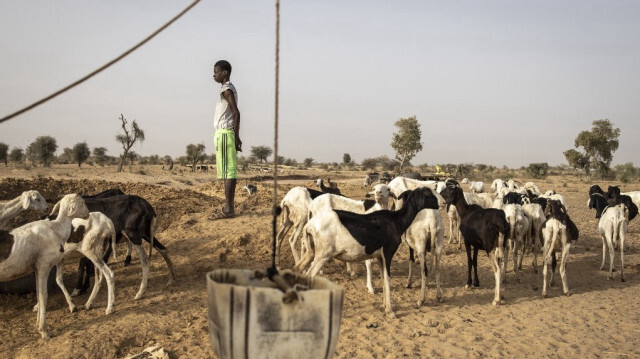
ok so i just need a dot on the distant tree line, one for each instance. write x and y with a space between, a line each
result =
598 146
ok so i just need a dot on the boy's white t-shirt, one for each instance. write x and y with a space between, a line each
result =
223 118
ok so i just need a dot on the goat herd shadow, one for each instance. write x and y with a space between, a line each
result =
584 276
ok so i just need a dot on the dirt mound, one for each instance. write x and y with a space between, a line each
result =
169 203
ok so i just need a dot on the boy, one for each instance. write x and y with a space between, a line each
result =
226 137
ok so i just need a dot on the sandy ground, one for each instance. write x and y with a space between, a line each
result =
599 320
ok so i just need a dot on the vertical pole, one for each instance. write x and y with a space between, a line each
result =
275 141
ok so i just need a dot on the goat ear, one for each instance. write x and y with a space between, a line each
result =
71 208
26 200
55 209
563 208
392 195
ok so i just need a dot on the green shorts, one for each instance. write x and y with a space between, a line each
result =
226 154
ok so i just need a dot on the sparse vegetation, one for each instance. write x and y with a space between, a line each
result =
127 139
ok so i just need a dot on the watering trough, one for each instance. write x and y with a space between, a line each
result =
249 319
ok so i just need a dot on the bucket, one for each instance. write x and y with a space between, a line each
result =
248 318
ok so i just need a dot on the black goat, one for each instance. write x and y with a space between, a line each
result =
104 194
512 198
134 217
559 233
613 192
481 228
595 189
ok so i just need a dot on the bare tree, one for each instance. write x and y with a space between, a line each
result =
128 139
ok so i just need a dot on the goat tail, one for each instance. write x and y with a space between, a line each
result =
512 228
151 236
616 231
554 238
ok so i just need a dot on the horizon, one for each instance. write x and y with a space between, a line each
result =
497 83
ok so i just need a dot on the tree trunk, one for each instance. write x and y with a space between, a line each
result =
121 164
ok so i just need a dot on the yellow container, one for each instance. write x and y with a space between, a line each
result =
248 318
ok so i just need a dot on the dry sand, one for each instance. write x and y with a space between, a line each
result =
599 320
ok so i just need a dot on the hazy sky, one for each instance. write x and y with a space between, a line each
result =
493 82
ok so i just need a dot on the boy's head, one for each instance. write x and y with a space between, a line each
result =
222 71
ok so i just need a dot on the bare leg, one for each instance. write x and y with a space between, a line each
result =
229 195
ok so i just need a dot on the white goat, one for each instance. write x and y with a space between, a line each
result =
39 246
519 232
613 225
88 238
536 216
532 188
497 185
426 234
474 187
400 185
27 200
559 233
454 226
381 193
295 211
613 230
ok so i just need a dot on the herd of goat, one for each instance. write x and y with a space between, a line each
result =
327 225
77 224
505 221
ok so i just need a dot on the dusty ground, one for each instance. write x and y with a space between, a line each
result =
599 320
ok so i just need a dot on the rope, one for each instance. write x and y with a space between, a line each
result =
276 210
40 102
